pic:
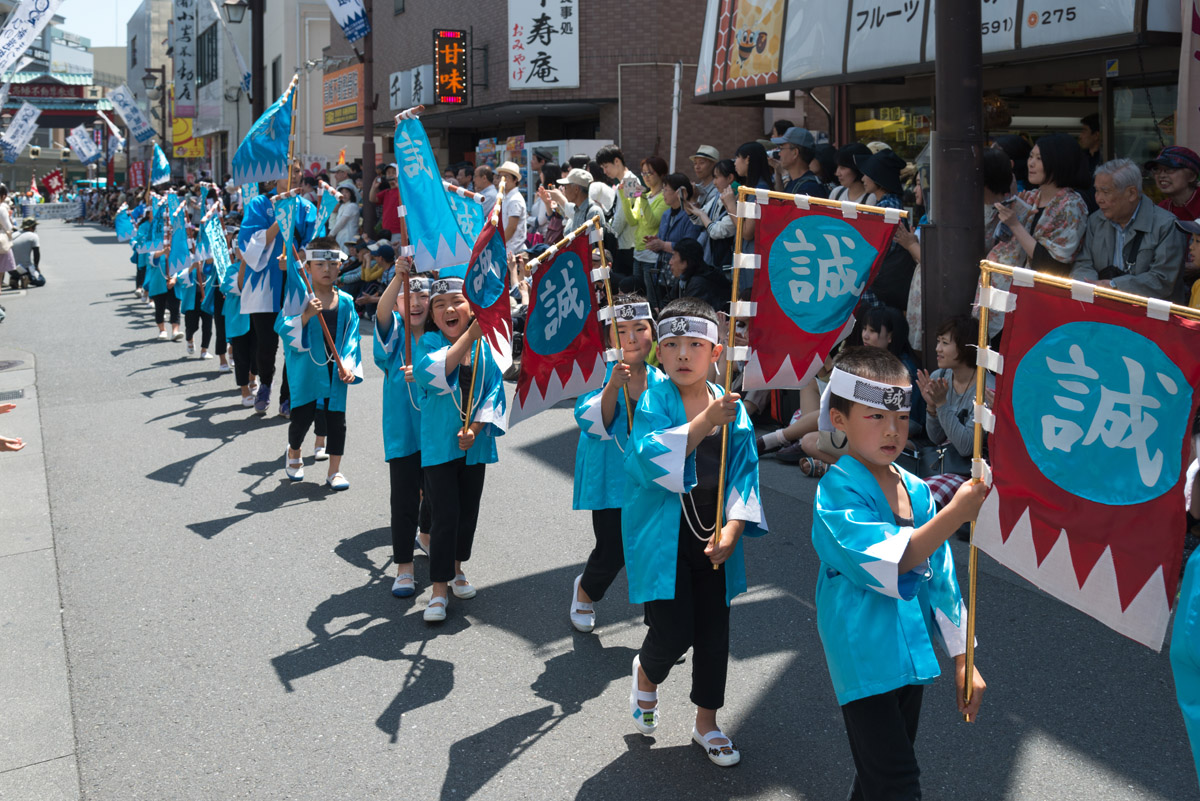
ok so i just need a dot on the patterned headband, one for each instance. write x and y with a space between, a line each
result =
447 286
888 397
324 255
418 284
628 312
687 327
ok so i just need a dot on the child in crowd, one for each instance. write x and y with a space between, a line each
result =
195 316
315 389
603 418
886 588
670 528
454 457
237 326
161 289
402 419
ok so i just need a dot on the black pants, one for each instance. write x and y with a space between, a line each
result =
607 557
454 490
243 358
266 346
410 512
622 264
328 424
696 617
219 321
882 730
139 278
163 303
196 319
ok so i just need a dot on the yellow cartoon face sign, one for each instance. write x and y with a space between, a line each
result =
757 32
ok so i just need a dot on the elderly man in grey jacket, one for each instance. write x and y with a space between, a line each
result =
1130 244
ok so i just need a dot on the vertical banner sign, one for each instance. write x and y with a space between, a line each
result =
53 182
543 44
23 25
24 62
486 287
351 17
1093 415
137 173
342 98
183 56
19 131
450 73
813 266
127 107
564 346
82 143
433 231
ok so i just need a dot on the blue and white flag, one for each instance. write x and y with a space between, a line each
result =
180 256
84 146
263 154
24 25
125 104
351 16
19 131
116 142
161 170
433 231
216 247
124 224
20 65
295 288
325 207
468 212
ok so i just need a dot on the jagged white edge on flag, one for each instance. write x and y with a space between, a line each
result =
555 391
786 377
1145 619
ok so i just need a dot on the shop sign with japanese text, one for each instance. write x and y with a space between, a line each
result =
543 44
451 76
342 99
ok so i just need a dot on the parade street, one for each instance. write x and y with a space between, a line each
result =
231 635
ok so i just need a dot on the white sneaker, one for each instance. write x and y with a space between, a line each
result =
224 368
177 336
320 455
435 612
191 349
163 336
205 354
583 616
248 401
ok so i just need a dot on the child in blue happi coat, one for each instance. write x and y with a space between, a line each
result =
454 459
316 381
160 286
410 517
886 590
669 522
603 419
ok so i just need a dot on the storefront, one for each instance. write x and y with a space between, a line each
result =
1046 65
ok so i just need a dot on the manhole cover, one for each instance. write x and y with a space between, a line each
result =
11 363
15 394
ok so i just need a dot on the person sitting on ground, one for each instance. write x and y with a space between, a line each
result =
694 278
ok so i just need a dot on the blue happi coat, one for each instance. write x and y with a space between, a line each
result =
1185 653
440 417
264 280
156 275
237 324
659 470
600 455
402 400
877 625
308 369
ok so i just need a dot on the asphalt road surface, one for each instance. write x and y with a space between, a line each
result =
231 635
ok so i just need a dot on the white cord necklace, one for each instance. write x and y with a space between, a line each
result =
706 532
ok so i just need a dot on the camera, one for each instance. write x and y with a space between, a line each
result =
773 154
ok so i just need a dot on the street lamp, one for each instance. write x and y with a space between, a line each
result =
235 10
150 80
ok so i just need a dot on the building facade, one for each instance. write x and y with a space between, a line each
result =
146 38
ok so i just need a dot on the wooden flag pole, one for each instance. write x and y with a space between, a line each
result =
743 192
616 334
533 264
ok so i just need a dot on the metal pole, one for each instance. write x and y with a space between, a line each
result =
954 241
258 72
368 146
675 102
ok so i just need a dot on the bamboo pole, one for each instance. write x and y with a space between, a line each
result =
616 334
861 208
495 219
533 264
743 192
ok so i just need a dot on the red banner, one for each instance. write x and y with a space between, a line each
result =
53 182
564 346
1093 412
137 173
486 287
813 265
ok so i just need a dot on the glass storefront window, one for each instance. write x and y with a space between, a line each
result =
905 129
1134 136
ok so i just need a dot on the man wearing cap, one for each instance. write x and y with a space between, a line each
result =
1129 243
572 197
512 208
703 161
341 177
795 153
1175 170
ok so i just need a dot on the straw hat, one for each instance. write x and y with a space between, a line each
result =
510 168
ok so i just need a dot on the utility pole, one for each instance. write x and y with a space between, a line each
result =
258 83
952 245
368 146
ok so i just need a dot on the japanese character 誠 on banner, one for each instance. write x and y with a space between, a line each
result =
433 231
543 44
564 346
1093 411
486 287
814 265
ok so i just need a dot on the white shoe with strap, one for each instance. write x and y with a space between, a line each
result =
723 754
464 590
644 720
583 616
435 612
293 467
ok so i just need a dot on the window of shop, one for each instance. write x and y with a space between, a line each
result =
133 51
206 56
1143 120
903 128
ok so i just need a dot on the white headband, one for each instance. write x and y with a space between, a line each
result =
628 312
324 255
418 284
688 327
888 397
446 286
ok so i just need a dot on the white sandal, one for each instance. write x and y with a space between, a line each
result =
293 467
724 755
435 612
583 616
465 591
404 586
644 720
